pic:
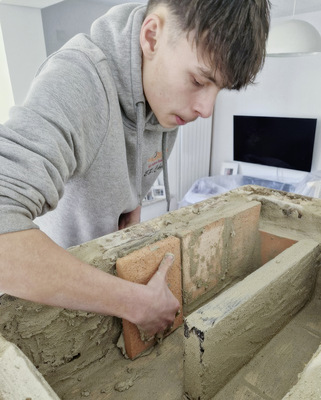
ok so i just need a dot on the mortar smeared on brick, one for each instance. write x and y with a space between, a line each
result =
68 347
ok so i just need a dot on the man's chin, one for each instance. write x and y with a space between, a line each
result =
168 125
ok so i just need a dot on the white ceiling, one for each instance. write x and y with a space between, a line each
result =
283 8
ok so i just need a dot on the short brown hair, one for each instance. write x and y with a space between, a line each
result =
229 34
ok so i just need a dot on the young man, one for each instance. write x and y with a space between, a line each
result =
97 110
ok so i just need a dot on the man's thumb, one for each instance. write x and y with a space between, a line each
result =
166 264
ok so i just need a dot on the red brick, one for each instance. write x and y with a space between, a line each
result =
273 245
202 251
217 253
139 266
243 251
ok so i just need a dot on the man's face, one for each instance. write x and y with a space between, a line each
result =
178 86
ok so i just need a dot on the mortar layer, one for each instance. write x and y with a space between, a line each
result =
64 344
52 337
291 215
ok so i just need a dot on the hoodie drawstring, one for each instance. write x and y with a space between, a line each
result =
139 159
165 170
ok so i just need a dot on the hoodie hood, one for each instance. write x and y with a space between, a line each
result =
117 34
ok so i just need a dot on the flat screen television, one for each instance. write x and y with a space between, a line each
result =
275 141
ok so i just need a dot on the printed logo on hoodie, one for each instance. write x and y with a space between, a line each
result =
155 163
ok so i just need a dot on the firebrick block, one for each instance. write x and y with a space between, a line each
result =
215 253
19 378
139 266
272 245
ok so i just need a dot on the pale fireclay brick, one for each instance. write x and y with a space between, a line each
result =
19 378
215 253
139 266
228 331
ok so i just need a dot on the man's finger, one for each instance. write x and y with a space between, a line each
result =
166 264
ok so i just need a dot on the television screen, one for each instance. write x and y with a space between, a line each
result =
275 141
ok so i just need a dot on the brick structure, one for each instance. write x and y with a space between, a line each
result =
221 246
217 251
224 334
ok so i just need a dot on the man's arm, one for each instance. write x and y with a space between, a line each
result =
128 219
34 268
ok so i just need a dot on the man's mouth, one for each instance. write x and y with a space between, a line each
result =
180 121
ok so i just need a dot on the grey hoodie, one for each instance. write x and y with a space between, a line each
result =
81 150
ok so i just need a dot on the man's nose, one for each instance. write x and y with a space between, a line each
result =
204 104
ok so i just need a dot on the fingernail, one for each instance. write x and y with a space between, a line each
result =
169 256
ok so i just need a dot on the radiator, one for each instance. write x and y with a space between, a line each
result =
190 160
193 154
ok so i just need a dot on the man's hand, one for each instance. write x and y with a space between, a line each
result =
128 219
161 309
34 268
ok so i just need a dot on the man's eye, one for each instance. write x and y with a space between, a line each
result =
197 83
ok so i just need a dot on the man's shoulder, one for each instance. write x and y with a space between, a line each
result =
83 45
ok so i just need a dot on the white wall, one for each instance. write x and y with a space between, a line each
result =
289 87
6 97
33 29
24 46
64 20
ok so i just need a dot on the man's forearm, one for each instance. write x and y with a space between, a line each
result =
128 219
34 268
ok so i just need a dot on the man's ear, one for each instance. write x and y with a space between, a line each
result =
150 34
